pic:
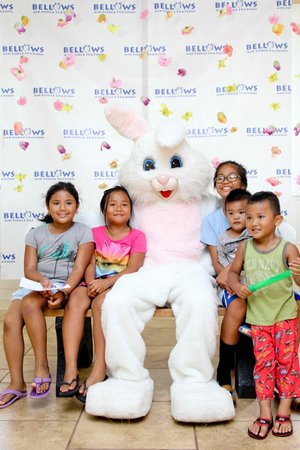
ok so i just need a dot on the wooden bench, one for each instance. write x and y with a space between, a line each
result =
244 359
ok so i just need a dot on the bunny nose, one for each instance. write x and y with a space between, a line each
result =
163 179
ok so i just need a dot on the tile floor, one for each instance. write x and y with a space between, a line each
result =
54 423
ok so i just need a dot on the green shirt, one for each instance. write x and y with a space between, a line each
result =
275 302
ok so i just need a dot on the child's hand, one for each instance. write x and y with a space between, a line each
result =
55 300
46 283
295 266
242 291
95 287
221 280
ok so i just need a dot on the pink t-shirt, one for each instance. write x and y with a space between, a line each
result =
112 255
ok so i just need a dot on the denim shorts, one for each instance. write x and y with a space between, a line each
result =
20 293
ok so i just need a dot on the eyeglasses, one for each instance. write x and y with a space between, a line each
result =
230 178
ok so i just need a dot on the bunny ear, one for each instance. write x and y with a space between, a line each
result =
126 121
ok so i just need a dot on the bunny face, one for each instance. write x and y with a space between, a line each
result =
162 166
156 173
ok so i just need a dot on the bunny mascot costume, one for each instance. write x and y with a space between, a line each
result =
168 181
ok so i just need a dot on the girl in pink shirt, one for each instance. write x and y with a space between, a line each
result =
119 250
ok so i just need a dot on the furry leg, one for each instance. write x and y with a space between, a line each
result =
195 396
127 308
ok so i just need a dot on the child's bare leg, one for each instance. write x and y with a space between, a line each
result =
265 412
32 311
99 368
72 330
284 409
14 348
234 317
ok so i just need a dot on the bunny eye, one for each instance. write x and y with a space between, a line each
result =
148 164
176 161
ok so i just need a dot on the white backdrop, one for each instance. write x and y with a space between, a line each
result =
223 68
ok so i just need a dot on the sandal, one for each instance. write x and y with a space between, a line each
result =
38 381
281 420
82 397
260 421
70 392
17 395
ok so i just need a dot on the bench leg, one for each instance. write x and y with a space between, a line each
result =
244 364
85 356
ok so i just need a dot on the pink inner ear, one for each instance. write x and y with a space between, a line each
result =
126 122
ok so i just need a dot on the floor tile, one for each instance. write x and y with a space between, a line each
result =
161 323
162 382
157 356
23 435
233 435
166 336
28 368
3 374
54 423
156 431
43 409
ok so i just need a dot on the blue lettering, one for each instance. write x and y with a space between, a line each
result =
9 257
7 91
37 215
37 49
252 172
283 88
37 132
220 130
105 174
281 45
128 91
282 130
97 49
161 48
68 174
66 7
281 3
9 174
6 6
250 4
189 6
250 88
128 7
97 132
283 172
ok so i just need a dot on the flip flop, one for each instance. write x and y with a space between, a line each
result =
70 392
17 396
281 420
82 397
38 381
261 422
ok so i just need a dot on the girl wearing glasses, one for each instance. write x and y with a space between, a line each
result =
229 175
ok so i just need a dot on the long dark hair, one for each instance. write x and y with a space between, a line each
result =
60 186
105 199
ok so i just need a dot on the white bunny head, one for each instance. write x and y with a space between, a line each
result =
162 166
